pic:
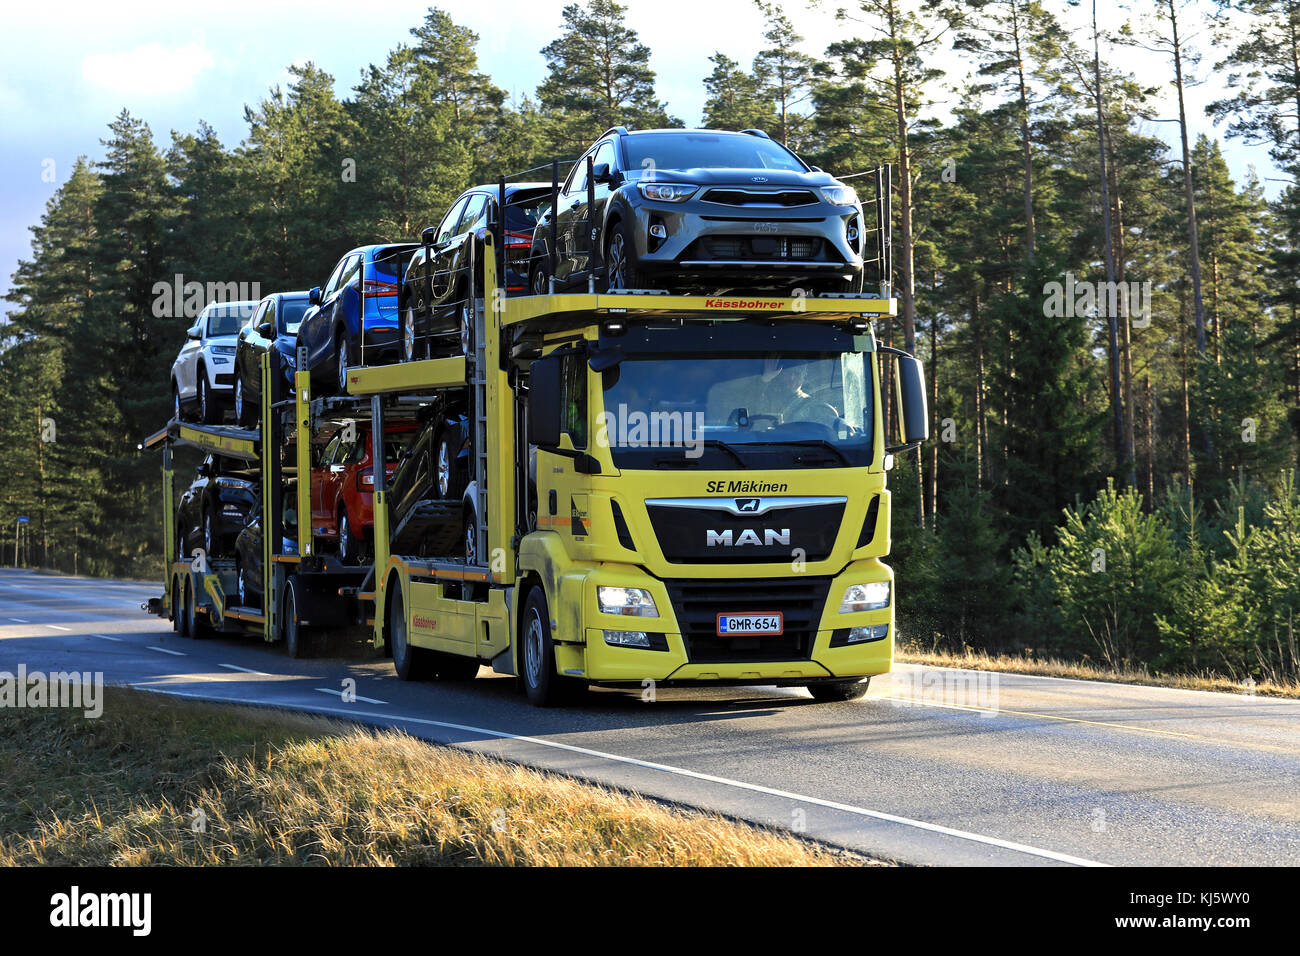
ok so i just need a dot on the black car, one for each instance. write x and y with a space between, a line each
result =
434 465
700 211
360 292
435 290
248 545
213 509
274 324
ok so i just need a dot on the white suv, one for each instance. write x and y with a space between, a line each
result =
203 375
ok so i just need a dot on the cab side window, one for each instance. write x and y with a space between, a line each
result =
574 398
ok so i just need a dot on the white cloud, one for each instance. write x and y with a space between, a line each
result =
148 70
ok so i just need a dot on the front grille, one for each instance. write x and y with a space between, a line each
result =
757 248
754 197
697 605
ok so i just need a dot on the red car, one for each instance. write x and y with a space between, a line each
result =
342 487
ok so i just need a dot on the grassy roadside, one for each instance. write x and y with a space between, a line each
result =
1051 667
159 780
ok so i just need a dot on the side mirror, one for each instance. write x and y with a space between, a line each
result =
912 411
264 330
544 413
313 295
193 334
601 173
428 234
205 469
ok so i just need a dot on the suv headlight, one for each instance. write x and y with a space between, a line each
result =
840 195
234 484
865 597
634 602
222 349
667 192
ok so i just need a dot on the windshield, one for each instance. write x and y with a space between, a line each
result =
750 411
291 313
228 319
707 151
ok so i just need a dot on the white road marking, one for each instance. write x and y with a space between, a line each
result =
107 638
339 693
694 775
58 628
245 670
165 650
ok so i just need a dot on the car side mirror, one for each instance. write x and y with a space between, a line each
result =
193 334
428 234
264 330
313 295
913 414
544 412
602 174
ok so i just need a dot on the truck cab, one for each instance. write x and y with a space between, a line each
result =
712 504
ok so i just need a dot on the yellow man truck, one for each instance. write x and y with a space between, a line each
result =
658 489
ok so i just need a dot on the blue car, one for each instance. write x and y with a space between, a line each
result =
361 292
273 325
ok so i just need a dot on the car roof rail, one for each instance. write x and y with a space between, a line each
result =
621 130
756 132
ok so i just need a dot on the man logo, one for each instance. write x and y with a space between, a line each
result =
747 504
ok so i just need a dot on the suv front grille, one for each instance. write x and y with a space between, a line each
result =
697 605
757 248
755 197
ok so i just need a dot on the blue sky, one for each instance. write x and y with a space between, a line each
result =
70 69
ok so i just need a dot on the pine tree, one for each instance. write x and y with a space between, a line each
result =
599 76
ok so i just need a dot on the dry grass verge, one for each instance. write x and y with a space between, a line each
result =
158 780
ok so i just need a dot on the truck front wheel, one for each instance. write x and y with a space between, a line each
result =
544 687
840 690
297 640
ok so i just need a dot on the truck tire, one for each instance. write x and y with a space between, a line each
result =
297 639
180 614
193 625
411 663
839 690
543 686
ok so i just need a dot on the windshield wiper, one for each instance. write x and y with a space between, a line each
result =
810 443
707 443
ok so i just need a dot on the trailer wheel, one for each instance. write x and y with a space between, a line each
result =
411 663
180 618
191 612
544 687
840 690
297 639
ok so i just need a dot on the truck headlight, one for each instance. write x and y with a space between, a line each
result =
840 195
865 597
634 602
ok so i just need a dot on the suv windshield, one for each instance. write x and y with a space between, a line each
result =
228 319
759 410
703 150
291 313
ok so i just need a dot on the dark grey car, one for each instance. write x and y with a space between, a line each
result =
700 211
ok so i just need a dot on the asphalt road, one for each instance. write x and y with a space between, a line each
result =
935 766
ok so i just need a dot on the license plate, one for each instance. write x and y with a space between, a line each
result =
748 624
